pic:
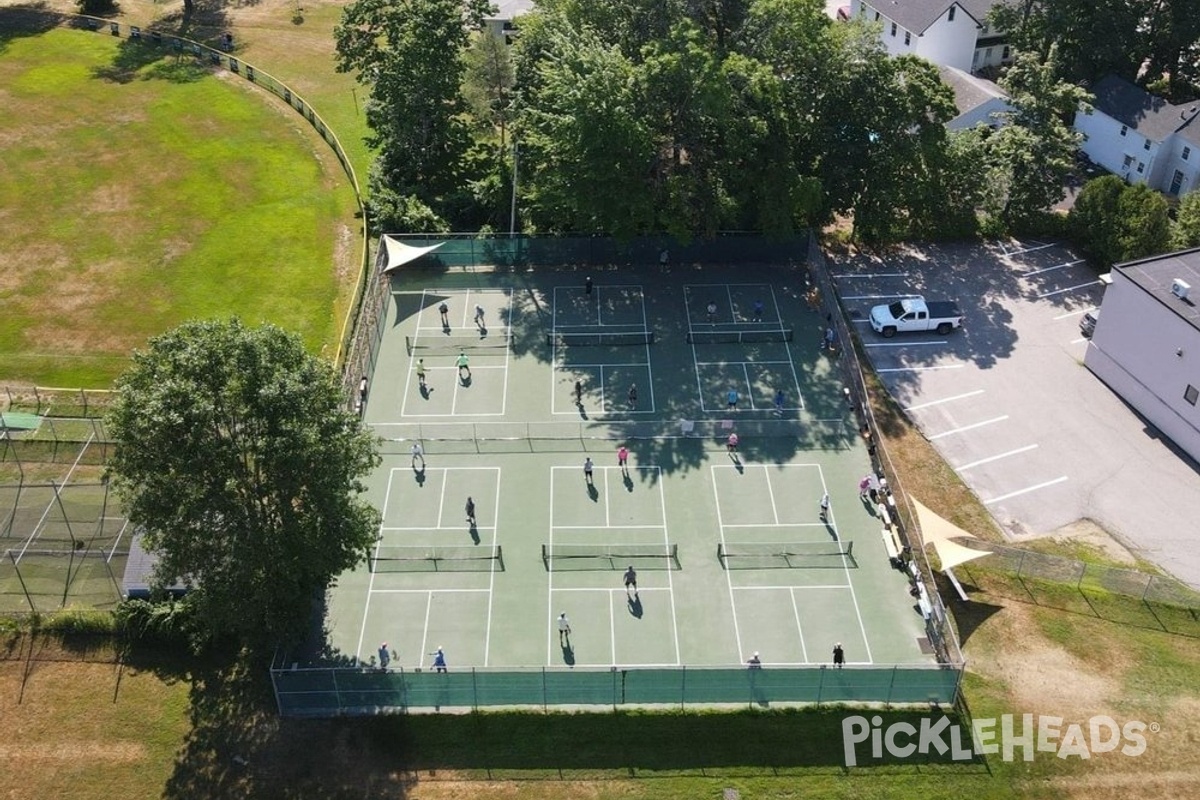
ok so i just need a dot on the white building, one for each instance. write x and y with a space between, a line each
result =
502 24
1142 138
1146 345
978 101
950 33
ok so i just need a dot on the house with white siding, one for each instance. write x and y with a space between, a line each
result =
1146 345
1141 137
979 101
503 22
950 33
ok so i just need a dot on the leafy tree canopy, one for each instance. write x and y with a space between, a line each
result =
236 455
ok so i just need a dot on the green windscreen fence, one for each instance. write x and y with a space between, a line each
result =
333 691
470 250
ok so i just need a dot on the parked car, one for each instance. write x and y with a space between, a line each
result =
1087 325
915 314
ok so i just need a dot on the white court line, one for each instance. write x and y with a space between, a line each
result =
787 347
799 626
1025 490
425 630
920 369
1080 312
487 639
507 354
550 581
905 344
612 629
604 474
737 633
1051 269
601 589
779 588
731 363
441 501
968 427
852 275
749 385
429 591
771 494
990 459
603 527
387 495
649 369
846 570
432 529
662 501
732 307
943 400
1068 289
775 524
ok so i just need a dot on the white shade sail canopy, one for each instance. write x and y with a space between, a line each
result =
940 533
399 253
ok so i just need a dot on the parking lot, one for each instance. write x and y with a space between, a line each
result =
1008 403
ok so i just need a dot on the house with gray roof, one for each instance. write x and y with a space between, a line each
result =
502 23
1146 344
950 33
979 101
1141 137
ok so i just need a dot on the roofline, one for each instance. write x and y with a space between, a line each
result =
935 19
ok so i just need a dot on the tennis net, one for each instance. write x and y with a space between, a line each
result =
610 556
414 558
600 339
741 337
785 555
456 344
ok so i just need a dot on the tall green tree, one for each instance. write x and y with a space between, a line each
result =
236 455
1117 222
1186 231
1030 157
411 55
1093 37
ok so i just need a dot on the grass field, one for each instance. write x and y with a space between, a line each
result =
183 195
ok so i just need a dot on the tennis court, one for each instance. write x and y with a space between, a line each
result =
732 556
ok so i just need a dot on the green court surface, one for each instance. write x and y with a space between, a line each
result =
547 541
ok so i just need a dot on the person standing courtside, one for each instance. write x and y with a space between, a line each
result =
631 581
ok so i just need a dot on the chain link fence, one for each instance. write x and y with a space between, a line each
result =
1128 596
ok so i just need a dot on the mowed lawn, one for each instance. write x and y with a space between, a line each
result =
140 190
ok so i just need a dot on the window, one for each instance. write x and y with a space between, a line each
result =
1128 162
1006 53
907 37
1146 145
987 54
1190 394
1141 168
1176 183
1124 129
1187 151
950 16
893 29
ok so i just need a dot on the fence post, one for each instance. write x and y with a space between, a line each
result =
337 690
275 689
820 684
474 689
683 688
544 704
891 687
21 578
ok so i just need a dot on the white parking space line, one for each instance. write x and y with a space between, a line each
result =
1025 490
875 296
990 459
904 344
920 369
966 428
1076 313
842 275
1068 289
944 400
1026 250
1051 269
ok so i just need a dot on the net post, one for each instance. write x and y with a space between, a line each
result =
546 557
850 548
499 555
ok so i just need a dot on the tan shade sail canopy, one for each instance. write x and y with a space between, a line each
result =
399 253
940 533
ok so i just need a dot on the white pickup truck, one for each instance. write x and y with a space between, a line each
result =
915 314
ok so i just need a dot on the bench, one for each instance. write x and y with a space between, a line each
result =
892 545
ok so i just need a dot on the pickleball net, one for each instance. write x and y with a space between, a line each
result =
456 344
415 558
580 557
741 337
785 555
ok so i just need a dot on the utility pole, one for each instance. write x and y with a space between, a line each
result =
512 219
